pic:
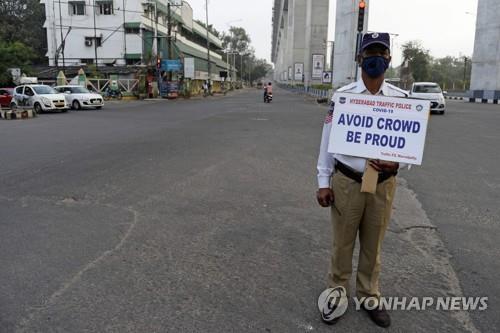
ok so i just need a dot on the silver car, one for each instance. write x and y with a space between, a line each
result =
80 97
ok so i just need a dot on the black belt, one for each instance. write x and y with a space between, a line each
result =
358 176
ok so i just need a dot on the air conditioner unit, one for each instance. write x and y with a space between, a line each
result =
88 42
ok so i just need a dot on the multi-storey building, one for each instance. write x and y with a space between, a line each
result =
128 32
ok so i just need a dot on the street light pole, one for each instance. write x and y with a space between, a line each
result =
62 38
465 72
208 47
95 37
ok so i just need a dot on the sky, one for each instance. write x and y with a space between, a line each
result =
444 27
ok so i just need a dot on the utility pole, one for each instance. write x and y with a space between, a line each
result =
208 47
156 31
62 37
95 37
124 34
465 72
332 55
241 67
170 56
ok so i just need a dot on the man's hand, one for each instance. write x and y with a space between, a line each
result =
384 166
325 197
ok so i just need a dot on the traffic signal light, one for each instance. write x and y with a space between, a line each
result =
361 15
158 62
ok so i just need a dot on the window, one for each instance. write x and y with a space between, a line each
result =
427 88
42 90
76 8
106 8
19 90
28 92
135 31
89 41
133 61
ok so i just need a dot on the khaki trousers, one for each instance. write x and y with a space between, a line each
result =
368 214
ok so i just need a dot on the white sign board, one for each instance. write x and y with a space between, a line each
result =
298 71
327 77
378 127
189 68
318 65
290 72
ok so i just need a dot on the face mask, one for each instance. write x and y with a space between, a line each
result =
375 66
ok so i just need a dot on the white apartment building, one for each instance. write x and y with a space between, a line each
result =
122 32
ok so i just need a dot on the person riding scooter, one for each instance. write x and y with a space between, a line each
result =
268 93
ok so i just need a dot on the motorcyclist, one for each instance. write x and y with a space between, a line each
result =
269 90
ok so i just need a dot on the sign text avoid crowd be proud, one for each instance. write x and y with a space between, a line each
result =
379 127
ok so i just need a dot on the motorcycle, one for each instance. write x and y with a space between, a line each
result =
268 98
112 94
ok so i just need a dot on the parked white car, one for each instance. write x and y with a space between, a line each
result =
80 97
39 98
429 91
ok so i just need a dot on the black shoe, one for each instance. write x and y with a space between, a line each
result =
379 316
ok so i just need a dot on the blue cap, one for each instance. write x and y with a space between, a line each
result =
381 38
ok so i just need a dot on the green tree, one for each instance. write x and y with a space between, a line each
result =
22 21
449 72
418 60
261 68
16 55
236 40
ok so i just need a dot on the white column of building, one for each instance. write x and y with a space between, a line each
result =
316 33
485 77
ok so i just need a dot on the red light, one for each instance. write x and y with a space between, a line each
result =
362 5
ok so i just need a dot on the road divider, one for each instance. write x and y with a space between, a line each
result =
17 114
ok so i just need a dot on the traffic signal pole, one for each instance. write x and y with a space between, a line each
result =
361 26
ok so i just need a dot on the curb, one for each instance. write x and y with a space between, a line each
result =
473 100
483 101
17 114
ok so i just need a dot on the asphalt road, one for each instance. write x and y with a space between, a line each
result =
199 216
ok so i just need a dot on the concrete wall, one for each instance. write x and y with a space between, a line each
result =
302 31
486 58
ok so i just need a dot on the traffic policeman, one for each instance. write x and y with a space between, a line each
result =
339 179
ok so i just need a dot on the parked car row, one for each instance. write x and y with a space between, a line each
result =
42 98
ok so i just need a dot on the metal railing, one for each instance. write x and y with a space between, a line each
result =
318 93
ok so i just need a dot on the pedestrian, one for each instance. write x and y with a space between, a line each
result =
205 88
354 212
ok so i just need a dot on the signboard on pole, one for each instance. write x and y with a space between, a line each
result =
378 127
298 71
290 72
189 68
318 65
327 77
171 65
